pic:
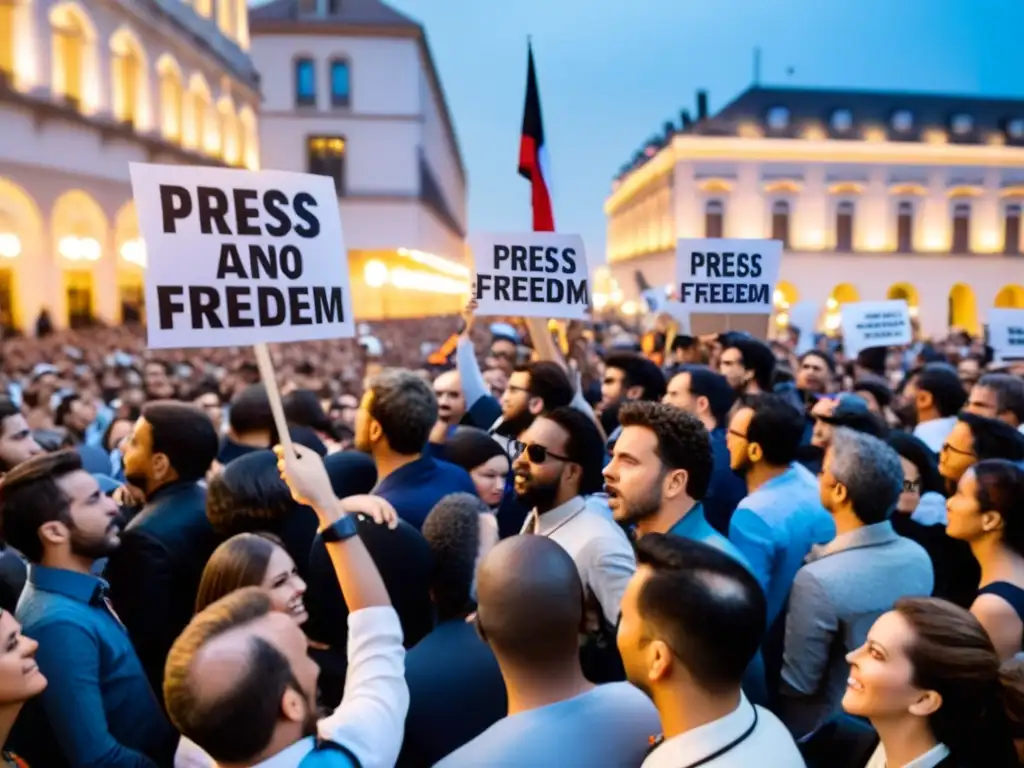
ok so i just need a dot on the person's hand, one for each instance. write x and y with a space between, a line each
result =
380 510
306 476
215 469
469 315
128 496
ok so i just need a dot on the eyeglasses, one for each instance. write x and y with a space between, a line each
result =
734 433
947 448
537 454
911 486
513 388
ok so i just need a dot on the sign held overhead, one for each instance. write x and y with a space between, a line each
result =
240 257
531 274
868 324
1006 334
719 276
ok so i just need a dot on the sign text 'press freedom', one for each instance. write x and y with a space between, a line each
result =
718 276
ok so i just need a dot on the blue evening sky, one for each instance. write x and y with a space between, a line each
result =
611 73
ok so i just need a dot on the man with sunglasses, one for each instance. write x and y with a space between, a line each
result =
557 466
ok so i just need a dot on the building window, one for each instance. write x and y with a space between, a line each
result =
339 83
7 11
844 226
69 48
326 157
714 218
842 120
79 298
1014 128
305 83
902 120
171 97
961 124
1011 229
780 222
778 118
905 227
961 228
128 74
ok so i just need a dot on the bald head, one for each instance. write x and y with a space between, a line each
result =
530 602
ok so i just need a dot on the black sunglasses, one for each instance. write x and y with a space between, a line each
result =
911 486
537 454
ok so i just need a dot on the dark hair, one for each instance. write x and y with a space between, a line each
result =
921 456
778 427
583 446
247 494
185 434
549 382
704 605
1009 390
405 407
951 654
250 412
757 357
876 386
238 723
241 561
30 497
943 383
994 438
8 409
1001 489
303 408
638 371
452 529
825 357
64 408
469 447
105 442
206 387
683 441
714 386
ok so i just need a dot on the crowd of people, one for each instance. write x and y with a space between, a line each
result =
502 546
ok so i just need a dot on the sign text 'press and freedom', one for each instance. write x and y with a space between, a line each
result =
718 276
532 274
238 257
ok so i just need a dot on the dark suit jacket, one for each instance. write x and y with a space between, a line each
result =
154 575
455 693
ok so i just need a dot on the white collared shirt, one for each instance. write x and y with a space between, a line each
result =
584 528
768 746
370 721
929 759
934 433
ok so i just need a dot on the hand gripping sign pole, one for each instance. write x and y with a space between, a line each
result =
267 373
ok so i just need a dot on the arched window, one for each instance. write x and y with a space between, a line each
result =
128 76
905 227
70 46
1011 229
780 222
172 95
714 218
230 132
844 226
305 82
961 228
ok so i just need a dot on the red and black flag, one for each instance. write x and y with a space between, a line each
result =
533 155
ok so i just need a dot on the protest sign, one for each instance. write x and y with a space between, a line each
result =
239 257
868 324
1006 334
803 316
717 276
531 274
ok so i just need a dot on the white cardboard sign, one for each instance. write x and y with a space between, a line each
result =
868 324
241 257
531 274
719 276
1006 333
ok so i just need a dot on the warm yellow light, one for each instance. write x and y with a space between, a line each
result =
989 241
782 319
427 282
750 130
79 249
10 245
814 133
831 304
935 136
616 295
630 308
875 241
934 241
814 238
438 263
375 273
134 252
912 311
600 300
874 135
833 321
778 297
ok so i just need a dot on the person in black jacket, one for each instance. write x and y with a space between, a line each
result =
154 575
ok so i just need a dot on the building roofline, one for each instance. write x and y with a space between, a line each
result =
410 30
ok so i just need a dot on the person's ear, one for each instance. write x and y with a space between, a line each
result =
703 404
928 704
675 483
53 533
375 431
635 392
755 453
923 400
840 493
535 406
161 465
293 705
991 521
659 661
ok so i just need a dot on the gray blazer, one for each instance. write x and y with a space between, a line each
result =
836 597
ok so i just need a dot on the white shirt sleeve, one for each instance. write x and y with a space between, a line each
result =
370 721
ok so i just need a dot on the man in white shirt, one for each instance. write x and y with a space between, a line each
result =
692 619
937 397
560 461
240 683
